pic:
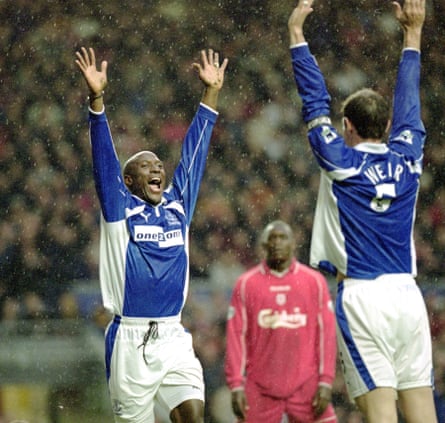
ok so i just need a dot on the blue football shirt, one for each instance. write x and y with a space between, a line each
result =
365 212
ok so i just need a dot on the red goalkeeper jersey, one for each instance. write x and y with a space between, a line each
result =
280 330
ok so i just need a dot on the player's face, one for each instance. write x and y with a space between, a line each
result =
279 247
147 179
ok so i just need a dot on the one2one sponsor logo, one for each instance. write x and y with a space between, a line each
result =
157 234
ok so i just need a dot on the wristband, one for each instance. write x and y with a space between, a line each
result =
90 98
321 120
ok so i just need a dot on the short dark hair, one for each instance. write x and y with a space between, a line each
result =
368 111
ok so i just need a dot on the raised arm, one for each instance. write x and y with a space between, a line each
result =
211 73
106 166
308 77
406 119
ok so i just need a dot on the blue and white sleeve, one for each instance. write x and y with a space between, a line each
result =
110 187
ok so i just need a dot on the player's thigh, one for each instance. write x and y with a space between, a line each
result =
299 406
417 405
132 386
382 331
171 397
190 411
184 379
364 354
262 408
414 362
379 405
307 416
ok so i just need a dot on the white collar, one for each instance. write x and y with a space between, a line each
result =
372 147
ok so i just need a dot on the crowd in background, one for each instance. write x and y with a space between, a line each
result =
259 167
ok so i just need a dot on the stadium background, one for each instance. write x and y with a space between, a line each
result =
259 168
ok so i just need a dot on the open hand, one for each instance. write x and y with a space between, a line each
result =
210 71
96 79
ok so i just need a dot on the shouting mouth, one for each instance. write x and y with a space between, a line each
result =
155 185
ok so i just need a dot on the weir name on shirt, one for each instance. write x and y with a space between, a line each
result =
378 173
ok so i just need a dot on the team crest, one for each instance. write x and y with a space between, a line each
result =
172 219
281 299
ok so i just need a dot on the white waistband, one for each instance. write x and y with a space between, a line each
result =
393 278
145 321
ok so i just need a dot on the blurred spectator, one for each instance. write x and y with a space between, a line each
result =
34 307
68 306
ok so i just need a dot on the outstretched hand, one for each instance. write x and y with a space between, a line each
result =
297 19
210 71
411 17
411 14
95 79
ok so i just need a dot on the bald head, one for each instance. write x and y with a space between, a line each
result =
278 243
280 224
135 158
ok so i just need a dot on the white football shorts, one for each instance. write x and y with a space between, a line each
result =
383 334
164 371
